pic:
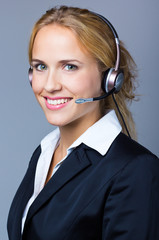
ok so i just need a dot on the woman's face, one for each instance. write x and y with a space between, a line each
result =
62 73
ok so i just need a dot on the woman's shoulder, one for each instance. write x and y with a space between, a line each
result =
133 156
130 148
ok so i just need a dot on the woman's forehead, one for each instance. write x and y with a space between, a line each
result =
57 39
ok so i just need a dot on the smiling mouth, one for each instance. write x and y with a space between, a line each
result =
58 101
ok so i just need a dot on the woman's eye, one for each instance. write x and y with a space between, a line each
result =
40 67
70 67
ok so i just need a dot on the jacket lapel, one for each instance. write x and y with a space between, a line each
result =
76 162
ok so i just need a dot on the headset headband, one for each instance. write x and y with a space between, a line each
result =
117 63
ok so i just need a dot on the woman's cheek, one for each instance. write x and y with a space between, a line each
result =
37 86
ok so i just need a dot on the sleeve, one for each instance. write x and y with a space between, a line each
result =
132 208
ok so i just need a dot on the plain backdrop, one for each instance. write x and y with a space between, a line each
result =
22 122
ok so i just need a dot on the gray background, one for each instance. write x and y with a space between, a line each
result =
22 123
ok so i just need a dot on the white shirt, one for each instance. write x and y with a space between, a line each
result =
99 137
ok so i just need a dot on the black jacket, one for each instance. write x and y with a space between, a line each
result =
92 197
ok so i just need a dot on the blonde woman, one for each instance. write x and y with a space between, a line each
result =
87 179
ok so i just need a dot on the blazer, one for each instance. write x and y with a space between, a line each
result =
92 197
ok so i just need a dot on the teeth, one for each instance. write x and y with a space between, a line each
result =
57 102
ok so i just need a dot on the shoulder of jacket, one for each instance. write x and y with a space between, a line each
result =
127 152
127 146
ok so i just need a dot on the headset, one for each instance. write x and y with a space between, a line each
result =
113 77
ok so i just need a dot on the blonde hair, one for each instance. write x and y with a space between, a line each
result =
97 38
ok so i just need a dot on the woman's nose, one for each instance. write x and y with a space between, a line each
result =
52 82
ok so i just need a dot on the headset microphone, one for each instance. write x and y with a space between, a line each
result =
84 100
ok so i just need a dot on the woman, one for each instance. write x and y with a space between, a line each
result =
87 179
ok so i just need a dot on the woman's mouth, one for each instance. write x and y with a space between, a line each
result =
56 103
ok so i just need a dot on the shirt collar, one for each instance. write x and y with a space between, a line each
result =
51 140
99 136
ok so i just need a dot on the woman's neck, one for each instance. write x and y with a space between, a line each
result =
71 132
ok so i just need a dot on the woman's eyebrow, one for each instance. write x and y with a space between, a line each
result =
70 60
63 61
36 60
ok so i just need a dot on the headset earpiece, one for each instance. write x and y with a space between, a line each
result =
112 79
30 75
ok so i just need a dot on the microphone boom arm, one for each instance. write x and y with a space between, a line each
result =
84 100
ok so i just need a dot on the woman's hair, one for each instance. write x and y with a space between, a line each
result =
97 38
